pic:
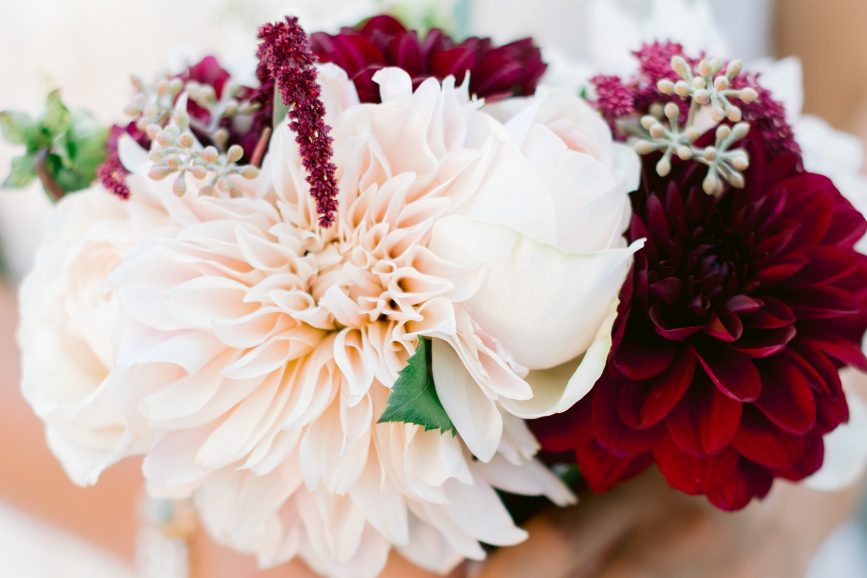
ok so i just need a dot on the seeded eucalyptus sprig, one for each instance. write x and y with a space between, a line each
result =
63 148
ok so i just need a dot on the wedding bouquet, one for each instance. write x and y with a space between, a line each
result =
346 309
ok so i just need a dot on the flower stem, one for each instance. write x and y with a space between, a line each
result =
54 190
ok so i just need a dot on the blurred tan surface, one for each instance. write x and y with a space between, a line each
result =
33 481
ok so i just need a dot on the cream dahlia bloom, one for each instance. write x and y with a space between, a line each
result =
256 351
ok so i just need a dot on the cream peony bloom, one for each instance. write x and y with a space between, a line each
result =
256 351
68 321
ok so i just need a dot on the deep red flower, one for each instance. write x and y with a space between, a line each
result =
495 71
734 324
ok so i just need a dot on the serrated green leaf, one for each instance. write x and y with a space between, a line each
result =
56 118
414 397
21 173
16 127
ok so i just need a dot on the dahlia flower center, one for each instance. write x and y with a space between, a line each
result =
370 284
716 265
343 265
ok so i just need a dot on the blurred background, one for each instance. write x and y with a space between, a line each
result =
89 48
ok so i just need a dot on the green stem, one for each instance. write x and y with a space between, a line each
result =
54 190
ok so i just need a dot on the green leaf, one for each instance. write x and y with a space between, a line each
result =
16 127
90 143
570 474
83 147
414 398
21 173
280 110
56 118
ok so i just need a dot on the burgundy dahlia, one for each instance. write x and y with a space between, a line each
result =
734 324
495 71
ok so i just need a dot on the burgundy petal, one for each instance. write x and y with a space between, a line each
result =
774 314
810 462
609 430
732 372
744 304
666 290
602 470
705 421
735 491
781 271
646 360
822 303
843 350
759 343
669 328
693 475
760 441
643 404
727 327
787 398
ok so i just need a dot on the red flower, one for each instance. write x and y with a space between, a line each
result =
734 324
495 71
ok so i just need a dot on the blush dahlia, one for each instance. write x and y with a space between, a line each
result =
734 325
382 41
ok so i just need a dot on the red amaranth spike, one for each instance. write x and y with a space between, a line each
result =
286 59
112 175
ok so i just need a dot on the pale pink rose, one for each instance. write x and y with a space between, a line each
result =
257 351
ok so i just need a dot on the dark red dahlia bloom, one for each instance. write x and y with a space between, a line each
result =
495 71
734 325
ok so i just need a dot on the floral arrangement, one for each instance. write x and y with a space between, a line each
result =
348 308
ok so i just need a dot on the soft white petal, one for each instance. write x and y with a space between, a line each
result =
559 388
476 417
543 304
